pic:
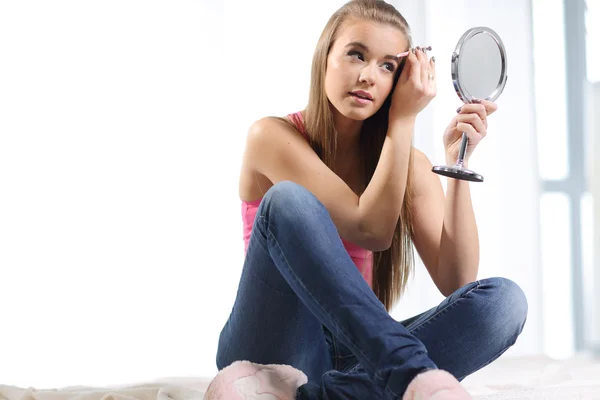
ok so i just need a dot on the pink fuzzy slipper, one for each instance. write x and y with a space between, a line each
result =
435 385
243 380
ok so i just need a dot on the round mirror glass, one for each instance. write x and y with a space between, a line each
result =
480 66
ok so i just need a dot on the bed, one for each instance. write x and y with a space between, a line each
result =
523 378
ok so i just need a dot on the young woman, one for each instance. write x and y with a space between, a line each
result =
333 197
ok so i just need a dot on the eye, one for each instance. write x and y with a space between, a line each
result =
391 67
358 54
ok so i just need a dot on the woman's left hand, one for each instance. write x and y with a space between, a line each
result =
471 119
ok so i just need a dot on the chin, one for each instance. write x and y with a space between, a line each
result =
359 115
354 113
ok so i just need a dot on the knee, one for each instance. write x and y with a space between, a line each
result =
505 308
285 192
289 198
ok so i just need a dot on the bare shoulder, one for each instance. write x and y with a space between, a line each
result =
271 137
268 140
270 127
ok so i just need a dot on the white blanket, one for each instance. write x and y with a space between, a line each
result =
533 378
164 389
525 378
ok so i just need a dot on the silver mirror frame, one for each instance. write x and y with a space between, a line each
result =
460 90
458 171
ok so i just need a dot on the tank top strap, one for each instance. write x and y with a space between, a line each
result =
298 122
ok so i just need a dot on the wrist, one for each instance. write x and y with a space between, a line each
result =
402 123
451 160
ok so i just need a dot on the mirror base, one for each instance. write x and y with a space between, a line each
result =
458 172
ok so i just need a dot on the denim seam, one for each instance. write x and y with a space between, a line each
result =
344 357
335 351
311 295
279 292
446 308
349 372
255 276
353 370
394 394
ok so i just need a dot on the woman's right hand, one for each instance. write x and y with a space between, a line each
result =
415 87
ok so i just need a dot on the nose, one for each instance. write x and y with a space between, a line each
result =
367 75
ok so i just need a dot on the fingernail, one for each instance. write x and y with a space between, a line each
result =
476 101
433 58
458 109
414 51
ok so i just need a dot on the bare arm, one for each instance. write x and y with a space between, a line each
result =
446 235
445 228
277 151
381 202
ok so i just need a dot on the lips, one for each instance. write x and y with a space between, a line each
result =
362 95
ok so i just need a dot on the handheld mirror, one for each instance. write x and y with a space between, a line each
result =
478 72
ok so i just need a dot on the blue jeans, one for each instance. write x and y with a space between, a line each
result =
301 301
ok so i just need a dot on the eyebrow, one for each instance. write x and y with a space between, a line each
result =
365 48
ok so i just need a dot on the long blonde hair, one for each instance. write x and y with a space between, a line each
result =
392 267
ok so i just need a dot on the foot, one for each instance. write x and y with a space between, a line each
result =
243 380
435 384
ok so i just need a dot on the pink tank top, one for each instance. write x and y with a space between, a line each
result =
363 259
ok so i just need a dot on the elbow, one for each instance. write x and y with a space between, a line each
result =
380 241
381 246
449 286
375 239
383 243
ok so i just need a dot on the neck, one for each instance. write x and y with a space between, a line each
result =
348 135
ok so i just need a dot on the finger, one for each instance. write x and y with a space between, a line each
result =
478 109
406 70
415 66
472 134
452 125
473 120
422 57
432 71
490 106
